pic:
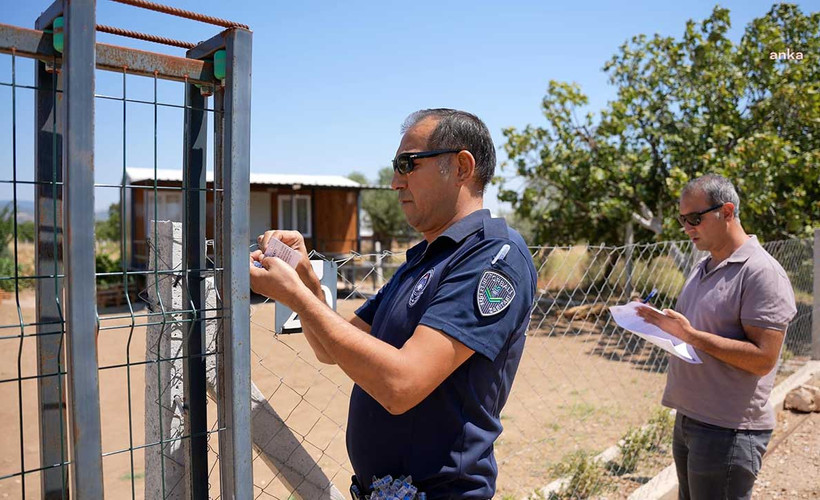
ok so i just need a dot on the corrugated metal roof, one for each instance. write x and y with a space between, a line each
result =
147 174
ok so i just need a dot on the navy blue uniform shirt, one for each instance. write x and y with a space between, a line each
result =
446 441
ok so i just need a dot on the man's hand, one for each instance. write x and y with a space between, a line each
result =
296 241
670 321
275 279
757 354
293 239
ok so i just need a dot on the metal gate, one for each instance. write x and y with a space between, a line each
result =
60 334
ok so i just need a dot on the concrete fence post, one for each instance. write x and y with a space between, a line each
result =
167 467
166 463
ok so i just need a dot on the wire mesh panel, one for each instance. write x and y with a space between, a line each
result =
146 294
34 369
139 387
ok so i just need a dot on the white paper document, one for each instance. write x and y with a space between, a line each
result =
278 249
627 317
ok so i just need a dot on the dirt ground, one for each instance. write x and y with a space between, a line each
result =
576 389
791 466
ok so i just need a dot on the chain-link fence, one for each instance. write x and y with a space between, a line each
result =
584 384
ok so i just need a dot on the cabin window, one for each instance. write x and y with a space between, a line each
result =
294 213
169 207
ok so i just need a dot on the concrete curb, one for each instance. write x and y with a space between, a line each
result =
666 482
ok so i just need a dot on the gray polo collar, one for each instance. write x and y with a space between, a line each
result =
745 251
739 256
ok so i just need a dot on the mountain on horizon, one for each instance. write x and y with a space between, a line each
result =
25 210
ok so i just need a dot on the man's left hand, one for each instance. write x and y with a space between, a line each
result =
275 279
670 321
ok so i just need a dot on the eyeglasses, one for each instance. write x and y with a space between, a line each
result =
695 218
404 162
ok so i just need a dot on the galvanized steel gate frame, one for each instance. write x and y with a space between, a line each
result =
64 237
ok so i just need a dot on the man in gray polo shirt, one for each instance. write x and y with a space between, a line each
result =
734 309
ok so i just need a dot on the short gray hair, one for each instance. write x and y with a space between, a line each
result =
718 189
459 130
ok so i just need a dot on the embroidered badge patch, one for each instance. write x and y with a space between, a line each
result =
418 289
494 294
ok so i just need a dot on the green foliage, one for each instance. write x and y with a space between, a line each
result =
786 355
587 476
109 229
684 107
663 424
637 442
382 208
6 270
25 231
634 444
6 229
525 227
105 264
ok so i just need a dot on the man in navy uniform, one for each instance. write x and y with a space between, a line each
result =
433 354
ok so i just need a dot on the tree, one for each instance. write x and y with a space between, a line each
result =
382 208
109 229
7 262
6 229
25 230
683 108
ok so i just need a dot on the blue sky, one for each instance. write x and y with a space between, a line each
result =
332 81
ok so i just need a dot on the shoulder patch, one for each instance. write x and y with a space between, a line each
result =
419 287
495 292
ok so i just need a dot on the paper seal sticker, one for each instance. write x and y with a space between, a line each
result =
278 249
419 287
494 293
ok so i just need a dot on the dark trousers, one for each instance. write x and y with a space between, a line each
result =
714 462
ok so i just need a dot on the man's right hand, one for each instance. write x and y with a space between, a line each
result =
296 241
293 239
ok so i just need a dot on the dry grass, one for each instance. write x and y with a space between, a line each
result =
659 272
564 268
25 258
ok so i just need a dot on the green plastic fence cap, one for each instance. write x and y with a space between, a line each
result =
219 64
57 38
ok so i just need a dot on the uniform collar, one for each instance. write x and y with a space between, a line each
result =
457 232
465 226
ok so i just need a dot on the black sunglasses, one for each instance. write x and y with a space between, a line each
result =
403 163
695 218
